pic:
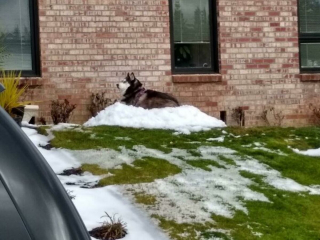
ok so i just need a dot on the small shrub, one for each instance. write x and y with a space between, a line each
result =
61 111
42 120
315 110
272 117
98 103
9 99
110 230
238 115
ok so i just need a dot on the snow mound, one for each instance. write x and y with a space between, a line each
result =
184 119
309 152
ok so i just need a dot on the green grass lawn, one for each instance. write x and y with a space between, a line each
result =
286 214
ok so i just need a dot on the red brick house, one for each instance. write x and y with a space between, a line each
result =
214 54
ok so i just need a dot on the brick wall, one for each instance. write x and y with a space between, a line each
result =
88 45
260 56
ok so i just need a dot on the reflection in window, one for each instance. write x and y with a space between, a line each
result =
310 55
309 16
15 34
191 33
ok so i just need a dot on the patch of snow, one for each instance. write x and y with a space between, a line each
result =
36 138
257 234
184 119
85 180
26 124
59 159
273 177
219 190
93 136
208 150
218 139
195 194
235 136
93 203
247 145
105 158
310 152
279 152
257 144
123 138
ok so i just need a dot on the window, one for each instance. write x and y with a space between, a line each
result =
309 16
18 35
193 36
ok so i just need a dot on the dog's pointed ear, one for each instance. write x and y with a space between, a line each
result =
137 83
132 77
128 76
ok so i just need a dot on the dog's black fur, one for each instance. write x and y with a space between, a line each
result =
137 96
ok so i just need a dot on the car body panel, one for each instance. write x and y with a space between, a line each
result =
11 224
43 204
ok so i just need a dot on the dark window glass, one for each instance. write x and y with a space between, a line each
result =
310 55
309 20
309 16
17 29
192 41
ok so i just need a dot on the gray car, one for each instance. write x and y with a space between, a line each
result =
33 203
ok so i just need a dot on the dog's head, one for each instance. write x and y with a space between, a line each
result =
129 84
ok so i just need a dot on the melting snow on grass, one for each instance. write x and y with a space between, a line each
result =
190 196
310 152
184 119
218 139
93 203
194 194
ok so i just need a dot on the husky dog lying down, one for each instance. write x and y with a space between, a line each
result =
136 95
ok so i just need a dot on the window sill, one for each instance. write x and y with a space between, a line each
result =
197 78
310 77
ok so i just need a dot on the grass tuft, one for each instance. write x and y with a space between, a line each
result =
94 169
204 164
145 199
42 130
110 230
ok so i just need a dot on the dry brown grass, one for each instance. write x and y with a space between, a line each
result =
61 111
98 103
315 110
112 229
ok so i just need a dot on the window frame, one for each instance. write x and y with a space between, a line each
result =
306 38
35 43
213 24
